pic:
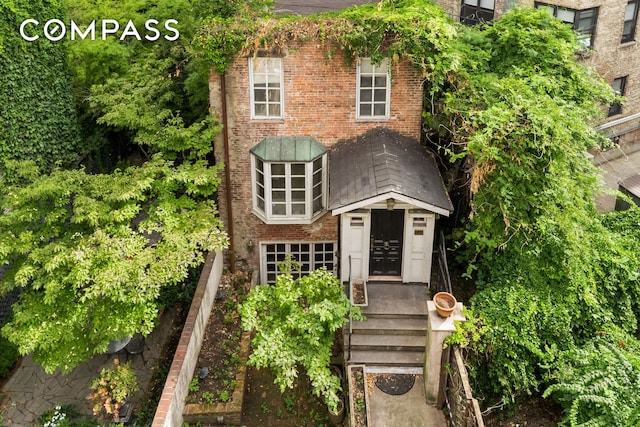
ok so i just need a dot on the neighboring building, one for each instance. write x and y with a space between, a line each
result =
326 165
608 28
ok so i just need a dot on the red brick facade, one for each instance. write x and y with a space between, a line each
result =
319 101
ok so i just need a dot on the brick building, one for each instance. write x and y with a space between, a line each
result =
290 114
608 28
326 165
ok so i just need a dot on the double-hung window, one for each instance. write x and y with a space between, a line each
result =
619 87
373 89
630 19
476 11
266 81
289 180
583 21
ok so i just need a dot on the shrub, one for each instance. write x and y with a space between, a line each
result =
295 322
8 356
599 384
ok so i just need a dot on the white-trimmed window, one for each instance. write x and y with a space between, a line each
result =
373 89
266 81
582 21
289 180
476 11
310 255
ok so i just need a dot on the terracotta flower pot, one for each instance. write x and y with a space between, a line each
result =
445 303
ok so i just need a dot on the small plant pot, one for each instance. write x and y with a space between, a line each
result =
445 303
336 417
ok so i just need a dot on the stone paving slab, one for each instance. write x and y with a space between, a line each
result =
406 410
32 391
615 169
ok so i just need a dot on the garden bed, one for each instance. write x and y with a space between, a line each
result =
359 293
357 396
217 388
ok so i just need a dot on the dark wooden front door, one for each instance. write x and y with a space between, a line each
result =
387 227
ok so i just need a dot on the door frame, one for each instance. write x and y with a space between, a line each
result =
355 232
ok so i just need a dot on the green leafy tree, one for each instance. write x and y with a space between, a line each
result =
94 251
550 269
295 322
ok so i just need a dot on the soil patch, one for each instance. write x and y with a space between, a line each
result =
534 412
358 398
359 292
215 373
264 405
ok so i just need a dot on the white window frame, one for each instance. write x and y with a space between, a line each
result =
270 267
289 217
375 72
266 61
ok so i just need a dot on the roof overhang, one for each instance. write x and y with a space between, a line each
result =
391 195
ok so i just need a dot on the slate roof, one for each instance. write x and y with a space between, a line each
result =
307 7
383 162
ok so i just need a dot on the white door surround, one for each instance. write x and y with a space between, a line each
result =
417 250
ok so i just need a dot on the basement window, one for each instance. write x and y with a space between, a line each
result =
310 255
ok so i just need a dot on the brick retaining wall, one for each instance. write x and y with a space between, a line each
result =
176 388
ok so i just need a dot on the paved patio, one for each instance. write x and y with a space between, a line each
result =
616 166
30 391
406 410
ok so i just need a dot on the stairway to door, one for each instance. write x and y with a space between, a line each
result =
395 332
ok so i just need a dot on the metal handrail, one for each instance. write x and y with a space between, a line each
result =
350 319
443 265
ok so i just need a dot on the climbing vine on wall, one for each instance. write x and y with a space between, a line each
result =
37 115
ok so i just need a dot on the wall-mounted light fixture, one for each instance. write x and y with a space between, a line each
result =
390 204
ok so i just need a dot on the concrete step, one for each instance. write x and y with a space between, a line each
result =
391 326
388 342
396 299
387 358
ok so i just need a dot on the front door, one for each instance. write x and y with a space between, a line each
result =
386 242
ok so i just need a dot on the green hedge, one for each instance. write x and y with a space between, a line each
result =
37 113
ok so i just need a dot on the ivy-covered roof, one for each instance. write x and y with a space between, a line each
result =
308 7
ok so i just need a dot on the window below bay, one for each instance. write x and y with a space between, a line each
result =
310 255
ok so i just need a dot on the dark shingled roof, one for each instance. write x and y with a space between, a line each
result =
308 7
380 162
